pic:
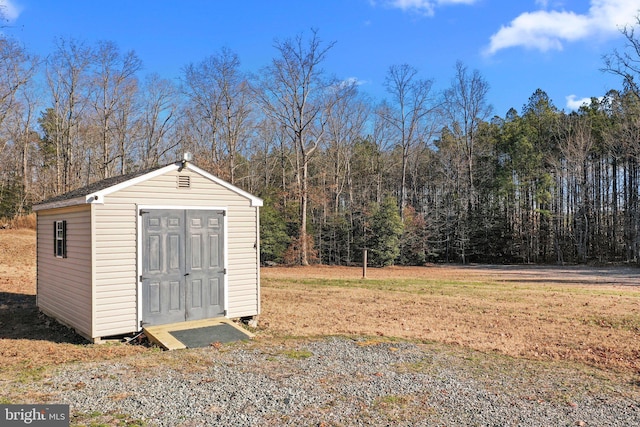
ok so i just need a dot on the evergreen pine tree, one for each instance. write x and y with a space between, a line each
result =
386 226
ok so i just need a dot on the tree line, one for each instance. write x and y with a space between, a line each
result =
421 176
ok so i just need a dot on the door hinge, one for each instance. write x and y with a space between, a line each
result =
143 212
224 271
223 213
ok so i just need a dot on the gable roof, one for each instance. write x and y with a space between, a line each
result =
95 192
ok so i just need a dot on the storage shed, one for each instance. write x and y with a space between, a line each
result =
165 245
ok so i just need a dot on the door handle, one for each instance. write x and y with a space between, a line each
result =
186 274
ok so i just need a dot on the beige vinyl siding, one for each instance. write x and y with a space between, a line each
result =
115 248
116 231
64 284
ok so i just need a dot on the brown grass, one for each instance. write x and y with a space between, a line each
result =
569 314
583 315
29 340
19 222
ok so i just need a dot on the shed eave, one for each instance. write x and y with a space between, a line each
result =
255 201
60 204
98 196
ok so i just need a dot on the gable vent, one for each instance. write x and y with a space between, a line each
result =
184 181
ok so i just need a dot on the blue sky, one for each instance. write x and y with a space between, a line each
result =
517 45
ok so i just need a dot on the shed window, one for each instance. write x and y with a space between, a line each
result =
60 239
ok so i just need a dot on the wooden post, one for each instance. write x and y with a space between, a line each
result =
364 263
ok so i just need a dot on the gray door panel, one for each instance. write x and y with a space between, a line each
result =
205 264
163 267
182 265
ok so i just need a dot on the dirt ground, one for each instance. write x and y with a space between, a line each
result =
578 314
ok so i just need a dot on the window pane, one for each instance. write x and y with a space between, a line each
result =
60 239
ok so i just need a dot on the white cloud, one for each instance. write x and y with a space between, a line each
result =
9 10
546 30
422 6
550 3
354 80
446 2
425 7
573 103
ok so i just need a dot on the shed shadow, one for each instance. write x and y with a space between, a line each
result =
21 319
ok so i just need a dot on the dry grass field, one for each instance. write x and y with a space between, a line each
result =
576 314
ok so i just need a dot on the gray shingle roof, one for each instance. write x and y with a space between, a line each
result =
99 185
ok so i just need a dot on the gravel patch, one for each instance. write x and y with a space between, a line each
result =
334 382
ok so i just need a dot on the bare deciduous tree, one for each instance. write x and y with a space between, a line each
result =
67 78
408 113
466 108
17 68
345 126
219 95
294 93
17 110
114 86
626 63
159 105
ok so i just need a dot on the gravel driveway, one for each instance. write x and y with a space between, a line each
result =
341 381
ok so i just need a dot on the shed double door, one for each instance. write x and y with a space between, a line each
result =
182 265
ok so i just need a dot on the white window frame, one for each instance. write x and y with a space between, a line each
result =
60 239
